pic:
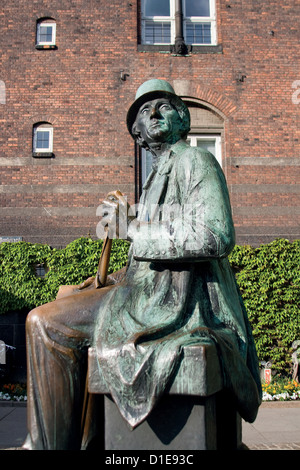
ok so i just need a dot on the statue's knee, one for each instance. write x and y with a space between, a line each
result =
34 317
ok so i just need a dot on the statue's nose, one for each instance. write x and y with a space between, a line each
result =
154 112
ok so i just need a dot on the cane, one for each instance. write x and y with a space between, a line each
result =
100 281
102 271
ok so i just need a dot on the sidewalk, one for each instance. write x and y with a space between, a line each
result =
13 427
277 426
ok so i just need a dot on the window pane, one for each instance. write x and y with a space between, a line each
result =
157 7
198 33
197 8
209 145
42 139
46 33
146 164
157 32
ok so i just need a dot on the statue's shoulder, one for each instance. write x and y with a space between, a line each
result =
195 157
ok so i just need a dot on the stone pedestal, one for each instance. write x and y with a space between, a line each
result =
177 423
195 414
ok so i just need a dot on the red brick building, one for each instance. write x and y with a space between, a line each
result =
70 69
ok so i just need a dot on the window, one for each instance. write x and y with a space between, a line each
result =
43 140
40 269
158 21
46 33
198 21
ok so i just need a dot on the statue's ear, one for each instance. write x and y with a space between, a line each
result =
137 135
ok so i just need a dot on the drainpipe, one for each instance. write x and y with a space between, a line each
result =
180 46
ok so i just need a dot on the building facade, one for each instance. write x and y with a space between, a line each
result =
69 70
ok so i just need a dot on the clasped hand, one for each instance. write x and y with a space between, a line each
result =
116 215
115 221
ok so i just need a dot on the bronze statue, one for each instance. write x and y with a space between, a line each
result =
177 289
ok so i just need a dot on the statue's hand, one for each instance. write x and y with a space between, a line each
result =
87 283
116 213
91 283
94 283
65 291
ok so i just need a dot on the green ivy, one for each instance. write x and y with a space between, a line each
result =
20 288
268 277
269 280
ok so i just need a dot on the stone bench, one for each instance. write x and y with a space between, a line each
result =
195 414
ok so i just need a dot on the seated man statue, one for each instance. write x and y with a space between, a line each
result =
178 289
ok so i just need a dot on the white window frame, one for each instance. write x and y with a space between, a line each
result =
171 19
158 19
216 138
46 23
202 19
2 92
43 128
146 163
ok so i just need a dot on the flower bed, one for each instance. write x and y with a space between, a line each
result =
281 391
14 392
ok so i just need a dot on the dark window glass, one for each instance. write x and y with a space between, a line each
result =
157 7
197 8
42 139
45 33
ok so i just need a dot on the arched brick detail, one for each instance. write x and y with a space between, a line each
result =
190 90
45 118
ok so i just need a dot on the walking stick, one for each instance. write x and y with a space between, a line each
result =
101 275
100 281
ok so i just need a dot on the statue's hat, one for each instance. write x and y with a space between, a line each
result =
151 90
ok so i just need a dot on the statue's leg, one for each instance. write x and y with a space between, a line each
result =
58 335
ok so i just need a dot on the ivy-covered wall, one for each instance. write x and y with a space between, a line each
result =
269 280
20 287
268 277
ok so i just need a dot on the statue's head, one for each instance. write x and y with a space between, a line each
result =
157 115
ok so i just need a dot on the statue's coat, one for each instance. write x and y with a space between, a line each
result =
178 289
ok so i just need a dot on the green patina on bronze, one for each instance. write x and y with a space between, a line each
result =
177 291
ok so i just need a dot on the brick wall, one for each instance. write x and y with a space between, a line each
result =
77 88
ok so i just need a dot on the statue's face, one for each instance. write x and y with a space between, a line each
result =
158 121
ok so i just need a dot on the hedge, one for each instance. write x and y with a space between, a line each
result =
21 288
269 280
268 277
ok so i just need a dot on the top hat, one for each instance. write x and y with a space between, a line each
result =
150 90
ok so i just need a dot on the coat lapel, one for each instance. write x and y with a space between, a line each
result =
155 187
